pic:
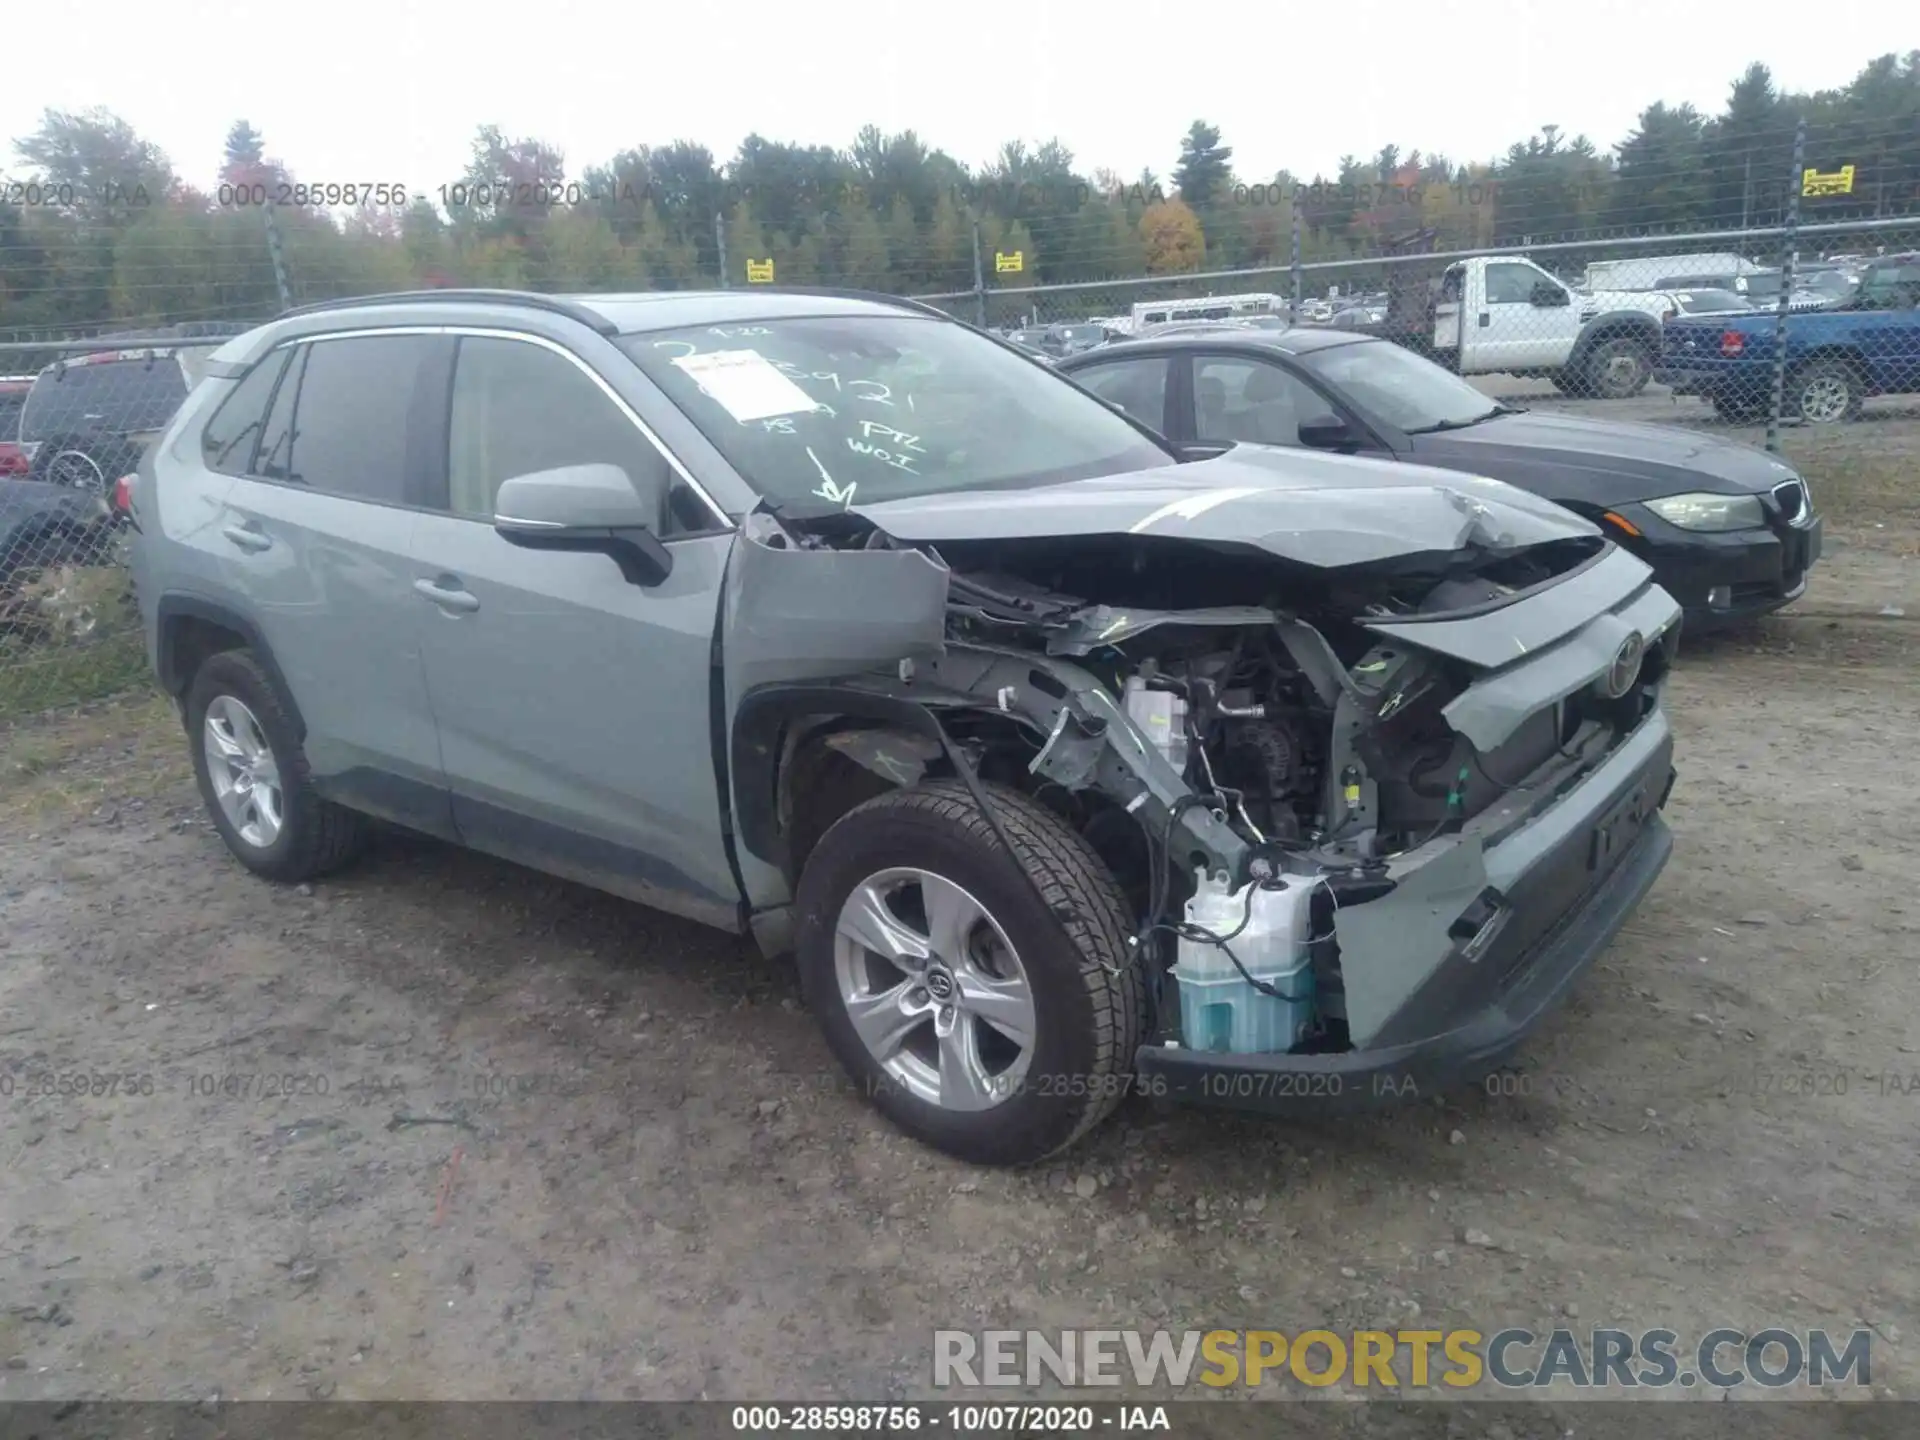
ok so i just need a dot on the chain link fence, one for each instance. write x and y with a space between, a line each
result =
75 417
1777 287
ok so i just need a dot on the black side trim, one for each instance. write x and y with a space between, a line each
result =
723 780
173 607
414 804
590 860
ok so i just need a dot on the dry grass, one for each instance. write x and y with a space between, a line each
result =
66 766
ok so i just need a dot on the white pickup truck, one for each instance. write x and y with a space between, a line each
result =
1506 316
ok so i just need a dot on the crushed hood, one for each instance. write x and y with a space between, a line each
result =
1325 511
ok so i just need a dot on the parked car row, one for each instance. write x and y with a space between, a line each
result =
67 435
1833 359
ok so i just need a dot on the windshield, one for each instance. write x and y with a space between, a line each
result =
121 396
811 411
1404 390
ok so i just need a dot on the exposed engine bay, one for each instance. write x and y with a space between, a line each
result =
1260 751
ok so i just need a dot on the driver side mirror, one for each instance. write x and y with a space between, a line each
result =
1548 296
594 508
1328 434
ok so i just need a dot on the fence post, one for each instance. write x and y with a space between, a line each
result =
279 257
720 243
979 282
1789 254
1295 209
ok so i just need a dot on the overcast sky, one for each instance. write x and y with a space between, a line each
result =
386 90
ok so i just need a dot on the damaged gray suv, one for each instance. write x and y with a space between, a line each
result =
1069 764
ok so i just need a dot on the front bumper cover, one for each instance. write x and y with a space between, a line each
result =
1762 569
1565 908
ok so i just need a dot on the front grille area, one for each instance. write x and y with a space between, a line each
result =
1791 498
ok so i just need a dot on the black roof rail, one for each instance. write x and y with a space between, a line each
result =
526 299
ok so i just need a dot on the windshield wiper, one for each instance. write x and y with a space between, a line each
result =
1440 425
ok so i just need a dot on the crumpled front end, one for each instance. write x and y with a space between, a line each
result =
1374 817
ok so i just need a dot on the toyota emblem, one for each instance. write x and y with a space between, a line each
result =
940 984
1625 668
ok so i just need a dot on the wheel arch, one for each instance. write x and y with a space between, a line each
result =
1613 325
1839 353
191 628
783 735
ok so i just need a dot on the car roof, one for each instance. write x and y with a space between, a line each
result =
1299 341
672 309
611 314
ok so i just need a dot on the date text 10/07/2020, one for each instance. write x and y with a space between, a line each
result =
955 1419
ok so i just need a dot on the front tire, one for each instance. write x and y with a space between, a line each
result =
1618 369
988 1013
253 776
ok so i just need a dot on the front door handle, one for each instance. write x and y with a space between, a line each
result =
246 537
1486 318
447 596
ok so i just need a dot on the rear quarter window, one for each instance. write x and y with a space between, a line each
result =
110 397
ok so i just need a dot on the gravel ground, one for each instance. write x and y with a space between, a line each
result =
509 1138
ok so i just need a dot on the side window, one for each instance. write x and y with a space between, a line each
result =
1138 387
1451 285
1511 284
519 408
1890 287
227 443
346 426
1254 401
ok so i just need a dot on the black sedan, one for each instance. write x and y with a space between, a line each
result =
1729 530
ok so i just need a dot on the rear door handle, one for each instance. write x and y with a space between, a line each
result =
447 596
247 538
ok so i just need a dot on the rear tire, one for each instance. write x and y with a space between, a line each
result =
257 791
1048 1005
1827 392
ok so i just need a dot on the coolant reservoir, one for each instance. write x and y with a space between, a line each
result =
1220 1010
1162 715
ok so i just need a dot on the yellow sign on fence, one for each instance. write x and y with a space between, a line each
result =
1834 182
760 272
1005 264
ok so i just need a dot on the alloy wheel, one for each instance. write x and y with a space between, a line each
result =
934 989
245 776
1825 399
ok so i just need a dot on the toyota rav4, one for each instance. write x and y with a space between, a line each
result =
1068 764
